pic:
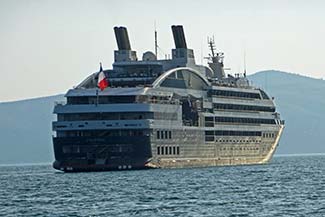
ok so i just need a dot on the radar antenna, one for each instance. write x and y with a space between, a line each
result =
212 46
215 60
215 57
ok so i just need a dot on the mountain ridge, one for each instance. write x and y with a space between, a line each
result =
31 99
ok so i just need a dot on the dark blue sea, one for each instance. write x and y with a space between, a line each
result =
288 186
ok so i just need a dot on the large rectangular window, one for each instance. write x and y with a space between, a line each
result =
237 133
105 116
220 106
78 100
234 94
238 120
117 116
103 133
209 135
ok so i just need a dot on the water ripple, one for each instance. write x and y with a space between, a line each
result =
289 186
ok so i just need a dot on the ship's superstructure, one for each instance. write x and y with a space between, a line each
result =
164 113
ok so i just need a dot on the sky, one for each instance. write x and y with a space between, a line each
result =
48 47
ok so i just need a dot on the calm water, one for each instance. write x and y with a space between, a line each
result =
289 186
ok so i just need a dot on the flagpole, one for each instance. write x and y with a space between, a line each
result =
97 96
102 82
100 70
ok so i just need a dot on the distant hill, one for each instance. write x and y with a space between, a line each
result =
25 126
25 130
301 102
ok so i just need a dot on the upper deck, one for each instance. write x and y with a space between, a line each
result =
130 71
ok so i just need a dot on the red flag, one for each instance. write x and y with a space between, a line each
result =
102 80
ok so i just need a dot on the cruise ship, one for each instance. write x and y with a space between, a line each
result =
164 113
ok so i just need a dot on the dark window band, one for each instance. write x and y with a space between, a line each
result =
237 94
232 133
220 106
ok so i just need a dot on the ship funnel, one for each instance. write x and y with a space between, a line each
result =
122 38
179 36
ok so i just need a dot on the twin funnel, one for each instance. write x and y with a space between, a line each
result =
123 42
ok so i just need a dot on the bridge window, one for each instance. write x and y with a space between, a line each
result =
184 79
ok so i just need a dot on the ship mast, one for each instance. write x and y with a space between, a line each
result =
216 59
245 63
156 42
212 45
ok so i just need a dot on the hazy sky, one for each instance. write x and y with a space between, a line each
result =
47 47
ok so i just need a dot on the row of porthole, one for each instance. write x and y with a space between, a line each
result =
240 149
168 150
124 167
238 141
243 149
